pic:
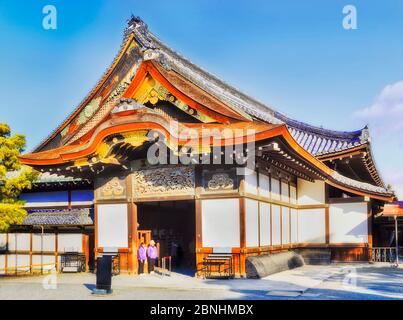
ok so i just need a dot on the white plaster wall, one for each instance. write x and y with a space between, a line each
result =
311 226
220 223
112 225
275 189
285 225
285 194
47 261
2 264
311 192
70 242
19 242
348 223
21 262
294 225
3 241
293 195
49 242
264 224
251 182
264 186
252 223
276 225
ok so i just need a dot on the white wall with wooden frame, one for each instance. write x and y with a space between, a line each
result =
112 225
33 252
348 222
220 223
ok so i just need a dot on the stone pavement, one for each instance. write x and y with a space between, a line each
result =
337 281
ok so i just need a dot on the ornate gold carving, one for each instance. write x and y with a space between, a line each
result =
163 181
221 181
152 91
114 188
103 153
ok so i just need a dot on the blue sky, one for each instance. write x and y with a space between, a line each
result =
293 55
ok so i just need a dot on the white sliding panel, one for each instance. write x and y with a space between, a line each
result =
220 223
251 182
252 223
285 226
294 226
276 225
45 242
311 192
264 186
2 264
293 194
19 242
311 226
285 193
112 225
349 223
275 189
3 241
72 242
264 224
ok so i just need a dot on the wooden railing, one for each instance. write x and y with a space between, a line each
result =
383 254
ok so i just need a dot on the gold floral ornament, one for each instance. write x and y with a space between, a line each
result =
112 188
221 181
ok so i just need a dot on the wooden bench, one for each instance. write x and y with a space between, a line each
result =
218 264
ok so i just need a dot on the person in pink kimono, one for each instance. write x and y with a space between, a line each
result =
142 257
152 256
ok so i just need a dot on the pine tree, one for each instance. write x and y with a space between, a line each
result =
14 178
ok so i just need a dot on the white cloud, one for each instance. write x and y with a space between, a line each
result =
394 176
385 119
385 115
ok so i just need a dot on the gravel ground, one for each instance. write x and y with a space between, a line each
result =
306 283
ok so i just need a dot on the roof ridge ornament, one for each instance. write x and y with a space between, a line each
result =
365 136
140 30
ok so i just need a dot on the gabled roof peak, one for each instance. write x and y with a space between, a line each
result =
140 29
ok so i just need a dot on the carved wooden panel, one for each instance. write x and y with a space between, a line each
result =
220 180
169 181
111 188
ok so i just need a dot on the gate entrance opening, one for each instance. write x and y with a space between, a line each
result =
172 225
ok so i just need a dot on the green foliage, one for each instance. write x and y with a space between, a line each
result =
14 178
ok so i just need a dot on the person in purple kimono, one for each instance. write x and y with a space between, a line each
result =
152 256
142 257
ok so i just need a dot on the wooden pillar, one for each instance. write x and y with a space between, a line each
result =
327 225
132 224
327 215
30 252
370 238
6 257
242 234
85 248
281 222
57 250
95 232
199 238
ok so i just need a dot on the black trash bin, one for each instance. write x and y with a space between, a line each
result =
104 275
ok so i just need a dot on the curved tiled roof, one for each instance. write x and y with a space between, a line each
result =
319 141
73 217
